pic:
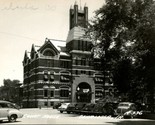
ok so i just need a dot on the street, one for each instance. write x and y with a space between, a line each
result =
52 116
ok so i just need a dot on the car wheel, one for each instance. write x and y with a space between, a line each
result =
12 118
61 111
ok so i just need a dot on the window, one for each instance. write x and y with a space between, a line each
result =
3 105
45 75
64 91
52 93
76 61
99 78
52 103
45 103
76 72
45 92
65 64
83 62
64 78
83 72
48 53
98 94
89 72
51 76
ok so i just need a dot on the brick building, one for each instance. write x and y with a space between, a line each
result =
64 71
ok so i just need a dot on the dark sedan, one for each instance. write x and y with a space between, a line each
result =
71 108
79 107
87 109
103 109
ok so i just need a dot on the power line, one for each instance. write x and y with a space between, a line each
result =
16 35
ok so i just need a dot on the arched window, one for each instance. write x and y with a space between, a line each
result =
48 52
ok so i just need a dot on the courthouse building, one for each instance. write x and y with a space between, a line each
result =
64 71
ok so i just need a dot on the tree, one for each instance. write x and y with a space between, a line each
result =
9 91
125 32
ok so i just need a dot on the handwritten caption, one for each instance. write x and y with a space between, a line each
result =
26 6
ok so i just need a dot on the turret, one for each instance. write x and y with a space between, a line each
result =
78 17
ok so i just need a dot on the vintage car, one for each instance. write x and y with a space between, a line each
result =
63 107
57 105
9 111
87 109
71 108
103 109
78 108
125 108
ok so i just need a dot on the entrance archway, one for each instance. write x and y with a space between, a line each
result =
83 92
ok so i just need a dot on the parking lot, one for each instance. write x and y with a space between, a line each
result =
53 116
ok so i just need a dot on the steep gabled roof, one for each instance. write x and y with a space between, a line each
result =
48 44
33 51
25 57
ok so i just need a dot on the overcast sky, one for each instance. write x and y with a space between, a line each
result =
27 22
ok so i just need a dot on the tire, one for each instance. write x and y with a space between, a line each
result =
12 118
61 111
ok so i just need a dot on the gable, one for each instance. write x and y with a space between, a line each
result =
48 49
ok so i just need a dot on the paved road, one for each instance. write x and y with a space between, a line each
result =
52 116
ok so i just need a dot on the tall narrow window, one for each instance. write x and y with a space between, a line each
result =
45 92
45 75
52 93
51 76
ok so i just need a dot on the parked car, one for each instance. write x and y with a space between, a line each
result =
97 110
57 105
63 107
141 111
87 109
71 108
78 107
103 109
9 111
124 107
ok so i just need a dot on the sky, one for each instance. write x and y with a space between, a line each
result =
27 22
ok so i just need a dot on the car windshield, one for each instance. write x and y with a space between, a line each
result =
64 103
89 105
80 105
7 105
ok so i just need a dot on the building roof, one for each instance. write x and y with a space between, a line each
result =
76 33
60 46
